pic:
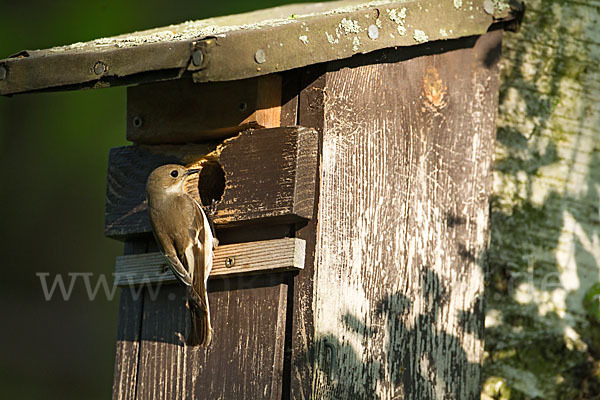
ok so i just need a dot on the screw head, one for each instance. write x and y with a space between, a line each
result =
3 72
137 121
373 32
243 106
230 262
260 56
197 57
99 68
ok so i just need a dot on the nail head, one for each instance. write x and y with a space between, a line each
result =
99 68
260 56
137 122
197 58
373 32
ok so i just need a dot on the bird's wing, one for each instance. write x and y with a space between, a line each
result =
204 244
203 253
195 249
193 242
178 269
168 248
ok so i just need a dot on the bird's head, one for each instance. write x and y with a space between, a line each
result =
168 178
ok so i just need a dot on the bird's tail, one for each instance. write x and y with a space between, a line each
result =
201 332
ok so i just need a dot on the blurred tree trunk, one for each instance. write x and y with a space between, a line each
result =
542 295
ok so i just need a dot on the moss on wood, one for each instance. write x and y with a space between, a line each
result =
542 309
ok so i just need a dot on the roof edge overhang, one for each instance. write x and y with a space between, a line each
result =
253 44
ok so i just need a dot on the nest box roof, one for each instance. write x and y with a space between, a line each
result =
251 44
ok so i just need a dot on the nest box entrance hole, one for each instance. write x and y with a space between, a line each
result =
211 183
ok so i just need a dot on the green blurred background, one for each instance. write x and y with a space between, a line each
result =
53 160
54 149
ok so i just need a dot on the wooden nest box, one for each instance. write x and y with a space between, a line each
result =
350 149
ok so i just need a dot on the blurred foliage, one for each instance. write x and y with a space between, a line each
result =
54 149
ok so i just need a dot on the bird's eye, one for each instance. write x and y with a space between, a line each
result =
174 173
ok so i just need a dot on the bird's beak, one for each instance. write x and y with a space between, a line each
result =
192 171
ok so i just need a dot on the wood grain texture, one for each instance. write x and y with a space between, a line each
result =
299 380
268 102
188 112
290 88
244 360
278 255
269 176
127 347
128 336
402 226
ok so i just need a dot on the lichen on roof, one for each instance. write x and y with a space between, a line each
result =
190 30
288 37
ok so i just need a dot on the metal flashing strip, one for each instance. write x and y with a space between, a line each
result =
251 44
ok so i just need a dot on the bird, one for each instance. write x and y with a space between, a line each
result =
185 238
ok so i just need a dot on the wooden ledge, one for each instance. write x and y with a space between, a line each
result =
277 255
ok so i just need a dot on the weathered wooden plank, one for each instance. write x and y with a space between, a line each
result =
404 185
299 378
269 175
128 335
403 223
127 347
289 98
188 112
264 169
244 360
277 255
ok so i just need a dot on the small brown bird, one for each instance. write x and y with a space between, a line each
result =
184 235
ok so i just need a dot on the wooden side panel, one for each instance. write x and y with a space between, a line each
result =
299 378
403 224
182 111
128 335
269 175
245 359
128 341
289 97
249 315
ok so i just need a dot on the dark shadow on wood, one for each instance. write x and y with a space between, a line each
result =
287 355
171 300
403 354
386 56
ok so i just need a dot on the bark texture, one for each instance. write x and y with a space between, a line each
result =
542 337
